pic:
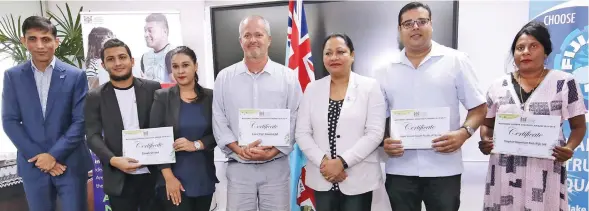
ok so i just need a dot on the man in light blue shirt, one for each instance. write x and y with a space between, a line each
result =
428 75
43 80
258 177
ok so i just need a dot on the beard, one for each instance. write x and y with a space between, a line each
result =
122 77
255 54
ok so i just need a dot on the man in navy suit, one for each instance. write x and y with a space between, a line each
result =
43 115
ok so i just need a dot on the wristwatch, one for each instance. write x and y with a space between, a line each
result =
344 163
469 129
197 145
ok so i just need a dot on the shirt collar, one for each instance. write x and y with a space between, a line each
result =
436 51
52 64
268 68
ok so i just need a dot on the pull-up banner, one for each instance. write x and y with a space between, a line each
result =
567 23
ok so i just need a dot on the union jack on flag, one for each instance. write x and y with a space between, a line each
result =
298 58
298 44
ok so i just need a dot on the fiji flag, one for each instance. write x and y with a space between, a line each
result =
298 58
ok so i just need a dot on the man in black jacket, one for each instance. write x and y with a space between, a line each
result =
123 103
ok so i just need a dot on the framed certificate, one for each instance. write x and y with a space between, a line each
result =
526 135
150 146
417 128
270 126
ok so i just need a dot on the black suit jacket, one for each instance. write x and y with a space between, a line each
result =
103 115
165 112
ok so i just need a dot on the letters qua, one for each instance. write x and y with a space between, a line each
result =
568 26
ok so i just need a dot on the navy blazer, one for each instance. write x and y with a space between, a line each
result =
61 132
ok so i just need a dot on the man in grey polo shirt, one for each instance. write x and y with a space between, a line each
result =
428 75
258 177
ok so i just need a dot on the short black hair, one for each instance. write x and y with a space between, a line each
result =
346 38
158 17
113 43
38 22
537 30
414 5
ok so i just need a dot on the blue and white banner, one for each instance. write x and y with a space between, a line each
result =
567 22
100 199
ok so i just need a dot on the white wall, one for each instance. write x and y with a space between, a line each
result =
16 8
485 32
22 8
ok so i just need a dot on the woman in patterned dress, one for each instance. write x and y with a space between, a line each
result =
339 126
520 183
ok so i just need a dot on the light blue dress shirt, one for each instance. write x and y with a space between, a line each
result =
445 78
275 87
43 82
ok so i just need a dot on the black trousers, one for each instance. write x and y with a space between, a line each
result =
337 201
138 194
438 193
201 203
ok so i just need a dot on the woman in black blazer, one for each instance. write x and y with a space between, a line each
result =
189 183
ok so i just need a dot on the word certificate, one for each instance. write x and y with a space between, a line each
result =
529 135
150 146
270 126
417 128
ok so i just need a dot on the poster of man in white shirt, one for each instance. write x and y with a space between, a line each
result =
150 35
153 63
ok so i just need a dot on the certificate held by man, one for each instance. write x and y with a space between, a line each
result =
150 146
417 128
526 135
270 126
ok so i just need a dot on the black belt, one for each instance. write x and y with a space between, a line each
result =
231 160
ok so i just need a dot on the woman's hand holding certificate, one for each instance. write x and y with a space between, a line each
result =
486 145
562 154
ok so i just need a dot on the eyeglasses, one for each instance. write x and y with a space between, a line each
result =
410 23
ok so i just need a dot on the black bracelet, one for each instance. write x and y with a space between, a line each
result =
343 162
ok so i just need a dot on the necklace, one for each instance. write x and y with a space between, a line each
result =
523 103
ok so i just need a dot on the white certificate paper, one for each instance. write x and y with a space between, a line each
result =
270 126
526 135
150 146
417 128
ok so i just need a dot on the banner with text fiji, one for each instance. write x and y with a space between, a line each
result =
567 22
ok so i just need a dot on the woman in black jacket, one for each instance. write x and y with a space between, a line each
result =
189 183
